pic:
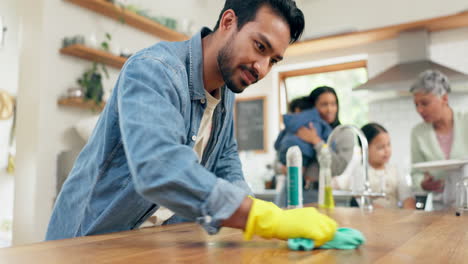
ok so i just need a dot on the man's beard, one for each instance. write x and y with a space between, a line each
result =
227 71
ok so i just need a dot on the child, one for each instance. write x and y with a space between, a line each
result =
325 101
303 114
383 177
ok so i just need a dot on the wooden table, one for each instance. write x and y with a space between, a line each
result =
393 236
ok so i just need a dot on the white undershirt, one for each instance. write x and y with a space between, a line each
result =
204 131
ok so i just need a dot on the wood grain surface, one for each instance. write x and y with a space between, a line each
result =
87 53
393 236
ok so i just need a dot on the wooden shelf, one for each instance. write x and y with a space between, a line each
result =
91 54
368 36
132 19
80 103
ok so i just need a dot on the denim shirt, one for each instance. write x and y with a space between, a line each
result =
140 155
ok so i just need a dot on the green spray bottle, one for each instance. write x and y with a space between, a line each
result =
294 179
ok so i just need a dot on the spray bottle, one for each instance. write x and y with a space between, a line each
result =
294 180
325 187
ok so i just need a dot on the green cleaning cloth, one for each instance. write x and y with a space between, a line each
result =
345 238
301 244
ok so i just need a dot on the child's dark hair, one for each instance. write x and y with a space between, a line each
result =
371 130
315 94
302 103
246 11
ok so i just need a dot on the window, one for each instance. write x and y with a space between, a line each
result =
342 77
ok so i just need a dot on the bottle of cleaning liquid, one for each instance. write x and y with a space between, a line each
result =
325 186
294 179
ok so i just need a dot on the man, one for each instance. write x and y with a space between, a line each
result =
165 137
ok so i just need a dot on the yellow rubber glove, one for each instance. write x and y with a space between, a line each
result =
269 221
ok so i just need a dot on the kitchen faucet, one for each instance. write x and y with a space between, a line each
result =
366 194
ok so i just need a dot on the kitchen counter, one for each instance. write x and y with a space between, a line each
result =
393 236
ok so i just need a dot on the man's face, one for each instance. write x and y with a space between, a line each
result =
249 54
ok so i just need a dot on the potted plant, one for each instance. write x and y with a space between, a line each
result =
91 83
91 80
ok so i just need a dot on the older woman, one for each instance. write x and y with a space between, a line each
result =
441 136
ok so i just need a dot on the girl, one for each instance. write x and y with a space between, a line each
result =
383 177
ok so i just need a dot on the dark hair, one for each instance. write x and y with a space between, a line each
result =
315 94
302 103
246 11
371 130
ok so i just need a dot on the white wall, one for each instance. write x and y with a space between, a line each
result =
327 16
44 129
9 83
8 69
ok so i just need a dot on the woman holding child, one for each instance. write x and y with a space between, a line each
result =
325 101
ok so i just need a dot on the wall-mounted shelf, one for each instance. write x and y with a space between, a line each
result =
132 19
80 103
368 36
91 54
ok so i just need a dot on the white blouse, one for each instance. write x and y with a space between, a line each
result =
390 182
387 180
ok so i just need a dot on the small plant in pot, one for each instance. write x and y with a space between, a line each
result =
91 83
91 80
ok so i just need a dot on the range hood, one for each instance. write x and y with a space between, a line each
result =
413 52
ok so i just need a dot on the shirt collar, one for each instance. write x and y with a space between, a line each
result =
196 86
